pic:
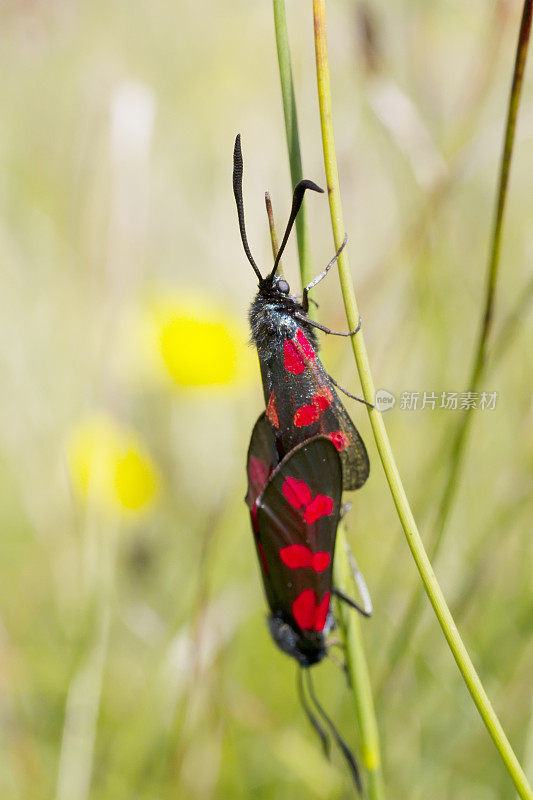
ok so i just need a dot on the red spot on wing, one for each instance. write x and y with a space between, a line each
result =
297 556
306 345
321 614
320 506
308 614
340 440
304 609
272 412
323 398
293 361
297 492
257 471
321 561
253 514
297 352
306 415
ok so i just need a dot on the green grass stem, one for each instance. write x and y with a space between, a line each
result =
350 626
293 138
479 363
401 502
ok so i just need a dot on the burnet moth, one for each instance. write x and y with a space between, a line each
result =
300 397
295 509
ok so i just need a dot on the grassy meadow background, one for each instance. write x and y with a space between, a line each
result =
134 657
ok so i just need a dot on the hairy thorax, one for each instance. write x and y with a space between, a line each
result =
272 316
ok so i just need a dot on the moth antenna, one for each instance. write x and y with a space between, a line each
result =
324 738
347 753
297 197
237 191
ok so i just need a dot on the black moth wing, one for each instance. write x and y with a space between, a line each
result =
335 422
300 506
260 464
261 459
302 403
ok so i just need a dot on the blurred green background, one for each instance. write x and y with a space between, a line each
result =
134 657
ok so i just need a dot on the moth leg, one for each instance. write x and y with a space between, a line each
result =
345 509
323 328
360 582
338 663
305 302
309 300
350 602
333 642
348 394
342 665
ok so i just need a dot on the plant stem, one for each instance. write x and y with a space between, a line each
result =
272 226
511 325
460 440
78 740
293 139
350 625
407 520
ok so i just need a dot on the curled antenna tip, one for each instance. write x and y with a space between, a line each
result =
297 198
237 154
237 192
307 184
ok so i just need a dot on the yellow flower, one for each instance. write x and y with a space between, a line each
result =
110 467
196 344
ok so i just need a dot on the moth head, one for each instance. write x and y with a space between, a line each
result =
281 285
293 644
